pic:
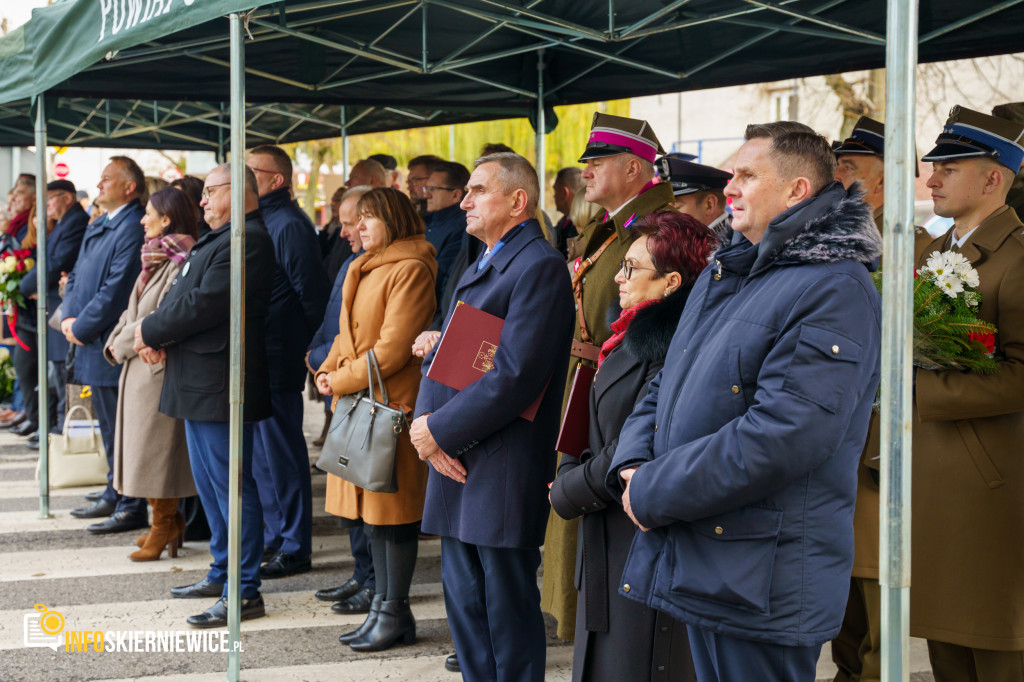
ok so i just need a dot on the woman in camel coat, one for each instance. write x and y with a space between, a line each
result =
387 300
150 452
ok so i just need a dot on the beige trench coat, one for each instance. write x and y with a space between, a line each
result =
150 452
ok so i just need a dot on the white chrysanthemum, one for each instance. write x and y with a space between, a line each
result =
950 284
937 263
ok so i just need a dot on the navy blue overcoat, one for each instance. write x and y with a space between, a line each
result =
510 461
99 286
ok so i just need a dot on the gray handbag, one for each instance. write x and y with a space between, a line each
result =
361 442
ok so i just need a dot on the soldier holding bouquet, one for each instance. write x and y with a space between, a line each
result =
968 522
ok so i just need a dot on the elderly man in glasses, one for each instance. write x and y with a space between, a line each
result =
301 288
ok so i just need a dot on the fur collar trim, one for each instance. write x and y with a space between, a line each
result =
836 225
651 330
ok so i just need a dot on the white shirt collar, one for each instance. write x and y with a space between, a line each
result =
113 214
959 243
719 220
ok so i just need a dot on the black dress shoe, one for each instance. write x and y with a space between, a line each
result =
357 603
284 564
451 664
268 553
94 496
24 428
203 588
33 441
339 593
97 510
217 615
119 522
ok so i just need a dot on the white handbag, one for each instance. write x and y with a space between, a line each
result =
76 460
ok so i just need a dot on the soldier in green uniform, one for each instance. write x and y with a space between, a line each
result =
620 177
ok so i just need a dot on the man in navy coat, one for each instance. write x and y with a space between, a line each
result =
740 465
280 457
96 294
62 247
487 492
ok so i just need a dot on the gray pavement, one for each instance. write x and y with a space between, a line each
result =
91 582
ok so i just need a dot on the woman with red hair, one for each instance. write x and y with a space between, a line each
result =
618 639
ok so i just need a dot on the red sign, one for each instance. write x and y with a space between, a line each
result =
171 173
61 170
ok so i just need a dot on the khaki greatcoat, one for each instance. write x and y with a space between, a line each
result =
968 473
387 300
150 451
558 595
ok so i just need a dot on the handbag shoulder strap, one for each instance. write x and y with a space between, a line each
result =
373 369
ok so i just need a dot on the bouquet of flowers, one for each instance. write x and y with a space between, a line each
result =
947 331
14 263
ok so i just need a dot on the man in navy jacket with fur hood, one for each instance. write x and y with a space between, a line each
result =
740 465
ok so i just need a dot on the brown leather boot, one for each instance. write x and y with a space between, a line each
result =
179 520
163 533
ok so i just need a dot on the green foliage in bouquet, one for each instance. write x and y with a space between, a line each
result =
6 374
947 331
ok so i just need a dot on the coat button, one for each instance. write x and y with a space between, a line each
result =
625 588
835 350
718 276
735 388
655 427
719 530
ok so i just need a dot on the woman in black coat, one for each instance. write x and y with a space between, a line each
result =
618 639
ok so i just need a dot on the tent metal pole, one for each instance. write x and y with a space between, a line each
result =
44 454
344 141
540 153
237 350
451 142
897 357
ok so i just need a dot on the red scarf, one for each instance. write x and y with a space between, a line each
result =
156 251
620 326
17 222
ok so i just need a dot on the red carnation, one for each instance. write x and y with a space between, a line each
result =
986 339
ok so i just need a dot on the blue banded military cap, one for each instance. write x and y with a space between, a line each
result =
970 134
687 177
867 137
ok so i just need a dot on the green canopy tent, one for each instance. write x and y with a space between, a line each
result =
176 74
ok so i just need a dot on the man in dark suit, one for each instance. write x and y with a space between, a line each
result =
62 247
297 302
96 294
190 330
487 495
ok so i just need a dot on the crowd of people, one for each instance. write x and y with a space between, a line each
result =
721 522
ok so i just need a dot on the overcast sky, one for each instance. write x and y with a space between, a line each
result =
17 12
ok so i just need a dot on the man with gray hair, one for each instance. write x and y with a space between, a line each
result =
367 172
190 331
739 467
96 294
488 485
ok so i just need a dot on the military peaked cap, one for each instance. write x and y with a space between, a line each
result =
687 177
867 137
971 134
611 135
